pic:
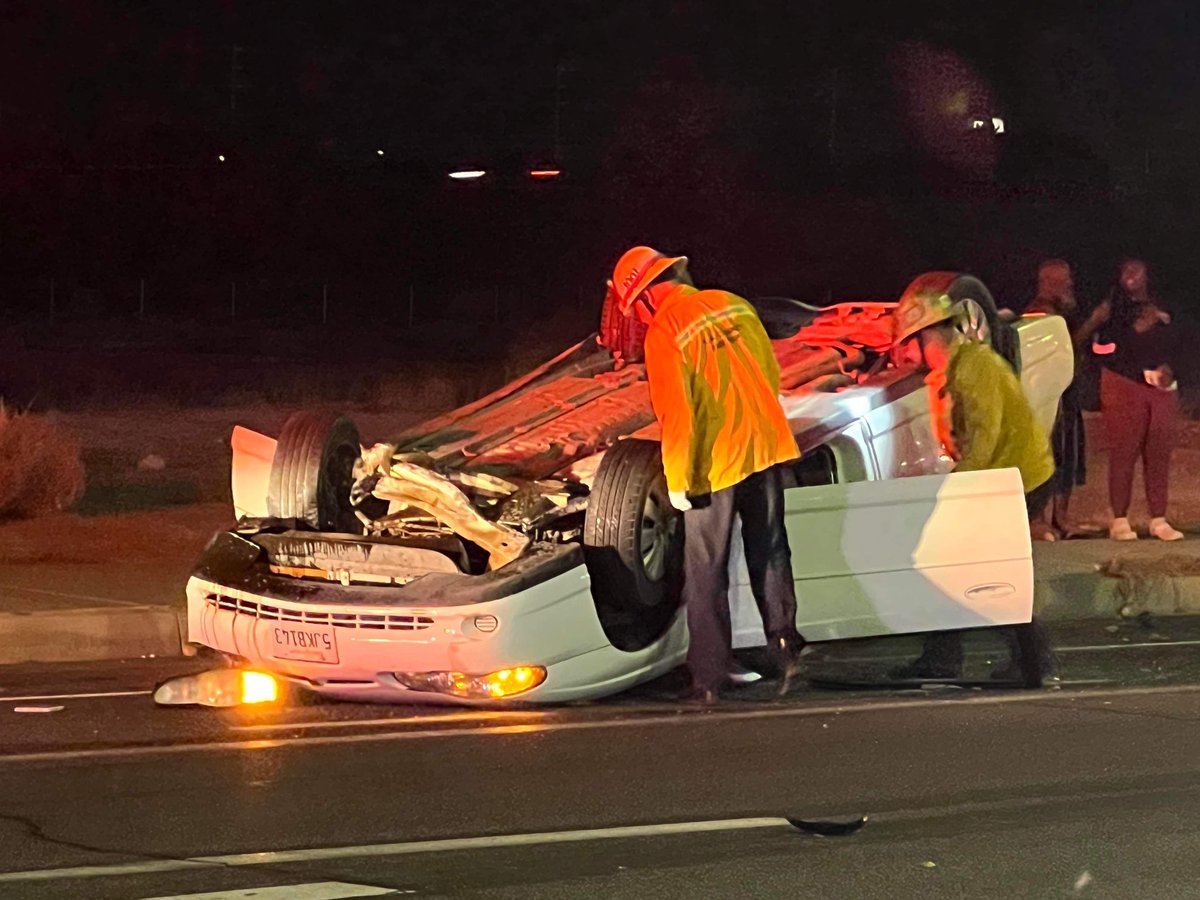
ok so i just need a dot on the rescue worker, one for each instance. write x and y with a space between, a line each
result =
714 387
983 421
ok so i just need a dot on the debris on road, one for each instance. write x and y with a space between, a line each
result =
823 828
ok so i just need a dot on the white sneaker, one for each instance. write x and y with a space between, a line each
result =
1162 530
1120 530
739 674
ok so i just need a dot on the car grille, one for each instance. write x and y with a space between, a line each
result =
377 621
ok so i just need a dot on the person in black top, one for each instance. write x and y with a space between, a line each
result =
1056 297
1139 397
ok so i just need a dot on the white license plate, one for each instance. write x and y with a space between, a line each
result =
306 643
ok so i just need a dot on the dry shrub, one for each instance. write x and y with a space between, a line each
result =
40 467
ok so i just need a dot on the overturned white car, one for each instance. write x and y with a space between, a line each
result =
523 548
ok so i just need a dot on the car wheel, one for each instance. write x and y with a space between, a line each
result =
633 545
980 319
312 472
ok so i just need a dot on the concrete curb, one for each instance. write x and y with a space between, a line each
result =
1147 577
1071 585
90 635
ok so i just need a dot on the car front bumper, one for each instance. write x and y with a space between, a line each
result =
363 637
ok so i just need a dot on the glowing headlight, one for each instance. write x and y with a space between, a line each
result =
493 686
259 687
218 688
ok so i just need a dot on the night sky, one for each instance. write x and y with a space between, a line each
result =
815 145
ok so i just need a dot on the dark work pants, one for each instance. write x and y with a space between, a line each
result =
707 535
1139 420
944 648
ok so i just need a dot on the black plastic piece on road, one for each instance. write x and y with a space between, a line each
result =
883 684
825 828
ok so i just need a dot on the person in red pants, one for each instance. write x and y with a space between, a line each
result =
1138 348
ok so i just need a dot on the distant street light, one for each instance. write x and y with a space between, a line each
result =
464 174
220 158
996 123
380 152
544 173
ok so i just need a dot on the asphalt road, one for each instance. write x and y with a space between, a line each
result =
1087 788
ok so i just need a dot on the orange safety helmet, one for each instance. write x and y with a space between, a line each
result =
925 302
635 271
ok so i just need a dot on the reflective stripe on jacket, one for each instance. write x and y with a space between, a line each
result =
714 386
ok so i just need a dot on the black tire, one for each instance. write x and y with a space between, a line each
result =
636 586
1000 334
312 472
977 300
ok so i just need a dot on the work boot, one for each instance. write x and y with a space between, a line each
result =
1010 671
785 656
1020 639
1161 529
925 668
942 658
1121 530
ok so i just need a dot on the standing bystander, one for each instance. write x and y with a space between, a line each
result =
1139 397
1056 297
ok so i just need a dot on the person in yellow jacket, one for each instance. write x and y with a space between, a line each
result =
714 387
983 420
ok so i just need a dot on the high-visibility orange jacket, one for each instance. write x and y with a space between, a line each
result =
714 386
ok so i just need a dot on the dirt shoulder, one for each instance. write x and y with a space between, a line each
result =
86 584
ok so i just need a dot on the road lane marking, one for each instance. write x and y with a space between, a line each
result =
893 816
4 699
675 716
72 596
1130 646
892 657
479 715
404 848
317 890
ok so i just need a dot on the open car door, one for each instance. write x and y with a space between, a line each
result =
927 553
